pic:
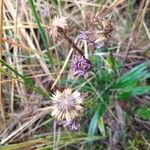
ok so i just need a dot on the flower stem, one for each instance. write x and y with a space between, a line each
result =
73 45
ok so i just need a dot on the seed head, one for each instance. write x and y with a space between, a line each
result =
59 22
101 41
98 32
66 105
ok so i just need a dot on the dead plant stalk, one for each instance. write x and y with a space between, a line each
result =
1 33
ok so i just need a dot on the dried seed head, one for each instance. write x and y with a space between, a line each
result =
66 105
101 41
81 66
107 25
59 22
98 32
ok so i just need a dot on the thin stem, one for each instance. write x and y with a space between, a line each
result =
73 45
1 33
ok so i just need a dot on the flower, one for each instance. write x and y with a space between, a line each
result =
66 105
83 35
81 66
97 33
59 22
71 125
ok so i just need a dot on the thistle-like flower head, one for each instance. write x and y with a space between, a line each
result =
60 22
81 66
66 105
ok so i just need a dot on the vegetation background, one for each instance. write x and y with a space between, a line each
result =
117 109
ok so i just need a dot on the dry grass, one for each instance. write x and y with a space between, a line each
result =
24 114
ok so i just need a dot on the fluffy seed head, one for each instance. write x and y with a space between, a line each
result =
59 22
66 105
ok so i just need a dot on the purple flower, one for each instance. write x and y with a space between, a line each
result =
83 35
81 66
71 125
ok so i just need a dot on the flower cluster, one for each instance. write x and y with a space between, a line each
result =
98 32
66 106
81 66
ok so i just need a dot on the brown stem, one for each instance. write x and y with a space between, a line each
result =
62 32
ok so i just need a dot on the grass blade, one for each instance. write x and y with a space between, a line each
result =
94 121
42 32
26 80
131 78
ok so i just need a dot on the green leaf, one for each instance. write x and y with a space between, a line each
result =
13 70
127 93
101 126
140 90
143 113
130 79
94 121
124 95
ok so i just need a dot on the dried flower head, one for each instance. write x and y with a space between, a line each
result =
81 66
66 105
101 41
106 25
59 22
98 33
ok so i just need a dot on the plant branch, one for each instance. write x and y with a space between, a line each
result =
73 45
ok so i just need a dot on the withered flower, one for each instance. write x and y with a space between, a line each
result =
81 66
98 32
59 22
101 41
66 105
